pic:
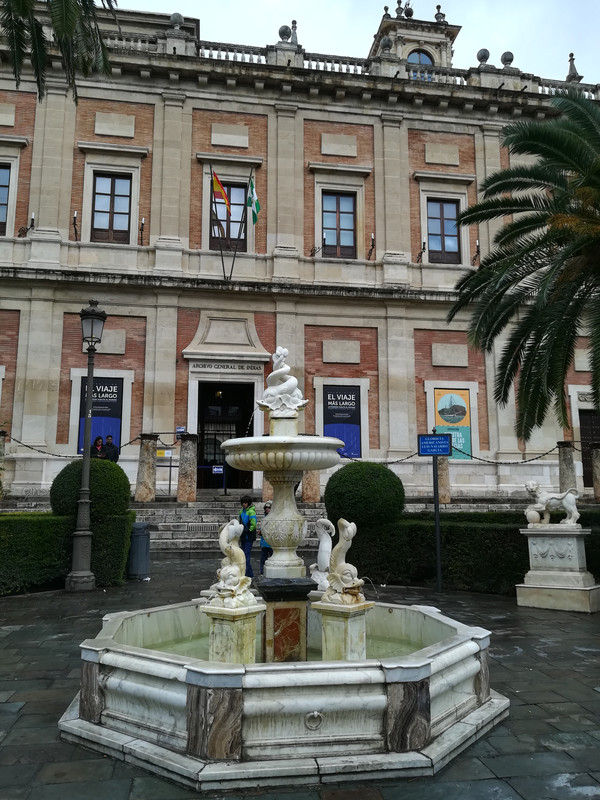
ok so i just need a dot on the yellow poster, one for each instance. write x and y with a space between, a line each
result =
452 407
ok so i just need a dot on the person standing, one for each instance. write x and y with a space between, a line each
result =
266 551
111 450
97 449
248 519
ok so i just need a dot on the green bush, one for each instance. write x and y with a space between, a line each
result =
368 494
34 550
110 518
109 489
477 556
110 548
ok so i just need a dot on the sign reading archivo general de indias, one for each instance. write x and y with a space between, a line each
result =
226 366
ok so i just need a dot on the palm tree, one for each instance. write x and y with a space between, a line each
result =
76 35
541 281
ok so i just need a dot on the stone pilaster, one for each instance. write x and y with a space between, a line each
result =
52 170
188 468
173 200
145 485
39 362
288 221
396 198
566 467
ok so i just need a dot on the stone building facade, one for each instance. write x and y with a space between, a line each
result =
360 166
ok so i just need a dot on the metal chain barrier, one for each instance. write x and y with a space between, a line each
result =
57 455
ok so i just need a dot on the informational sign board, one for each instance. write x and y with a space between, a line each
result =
178 431
341 417
217 469
453 416
107 409
164 453
435 444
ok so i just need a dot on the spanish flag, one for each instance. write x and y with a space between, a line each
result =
219 191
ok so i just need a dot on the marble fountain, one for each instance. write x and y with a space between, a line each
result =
294 681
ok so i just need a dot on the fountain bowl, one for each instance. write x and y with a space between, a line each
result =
282 453
404 711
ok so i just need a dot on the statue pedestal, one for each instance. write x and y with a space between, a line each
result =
344 633
232 633
558 577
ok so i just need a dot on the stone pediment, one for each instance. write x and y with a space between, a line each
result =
226 335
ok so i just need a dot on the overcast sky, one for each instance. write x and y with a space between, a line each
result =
540 33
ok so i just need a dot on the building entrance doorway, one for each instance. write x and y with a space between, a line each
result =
589 422
224 412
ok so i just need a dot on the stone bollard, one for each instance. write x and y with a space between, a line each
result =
145 486
596 470
311 487
444 480
187 481
2 452
566 467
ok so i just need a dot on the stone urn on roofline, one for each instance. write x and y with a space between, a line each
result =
283 457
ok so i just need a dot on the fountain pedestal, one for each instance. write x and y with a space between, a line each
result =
232 633
284 637
344 630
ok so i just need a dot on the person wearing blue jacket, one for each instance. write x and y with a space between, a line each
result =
248 519
266 551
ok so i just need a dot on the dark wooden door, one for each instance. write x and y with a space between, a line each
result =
589 422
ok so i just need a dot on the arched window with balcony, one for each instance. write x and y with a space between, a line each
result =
419 65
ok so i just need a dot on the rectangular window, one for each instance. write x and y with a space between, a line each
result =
443 242
4 186
227 231
111 209
339 225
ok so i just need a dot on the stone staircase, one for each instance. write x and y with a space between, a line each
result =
194 527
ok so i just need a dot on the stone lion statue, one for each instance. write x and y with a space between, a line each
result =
550 501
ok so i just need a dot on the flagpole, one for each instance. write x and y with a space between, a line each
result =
242 223
214 202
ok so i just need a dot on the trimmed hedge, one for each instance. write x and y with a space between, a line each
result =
110 491
110 548
365 493
477 556
34 550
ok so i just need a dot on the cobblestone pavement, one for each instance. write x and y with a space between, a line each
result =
547 663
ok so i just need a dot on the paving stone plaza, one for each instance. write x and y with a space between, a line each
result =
546 662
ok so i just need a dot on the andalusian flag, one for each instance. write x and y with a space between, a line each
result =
219 191
253 203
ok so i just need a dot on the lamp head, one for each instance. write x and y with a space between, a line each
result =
92 323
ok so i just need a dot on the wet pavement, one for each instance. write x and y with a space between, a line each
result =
546 662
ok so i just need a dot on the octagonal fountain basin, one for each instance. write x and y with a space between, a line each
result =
149 697
282 453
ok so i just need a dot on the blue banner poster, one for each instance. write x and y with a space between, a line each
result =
341 417
107 408
453 416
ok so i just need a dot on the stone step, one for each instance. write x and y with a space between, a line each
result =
208 545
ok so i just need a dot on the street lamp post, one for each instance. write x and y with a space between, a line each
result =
81 578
